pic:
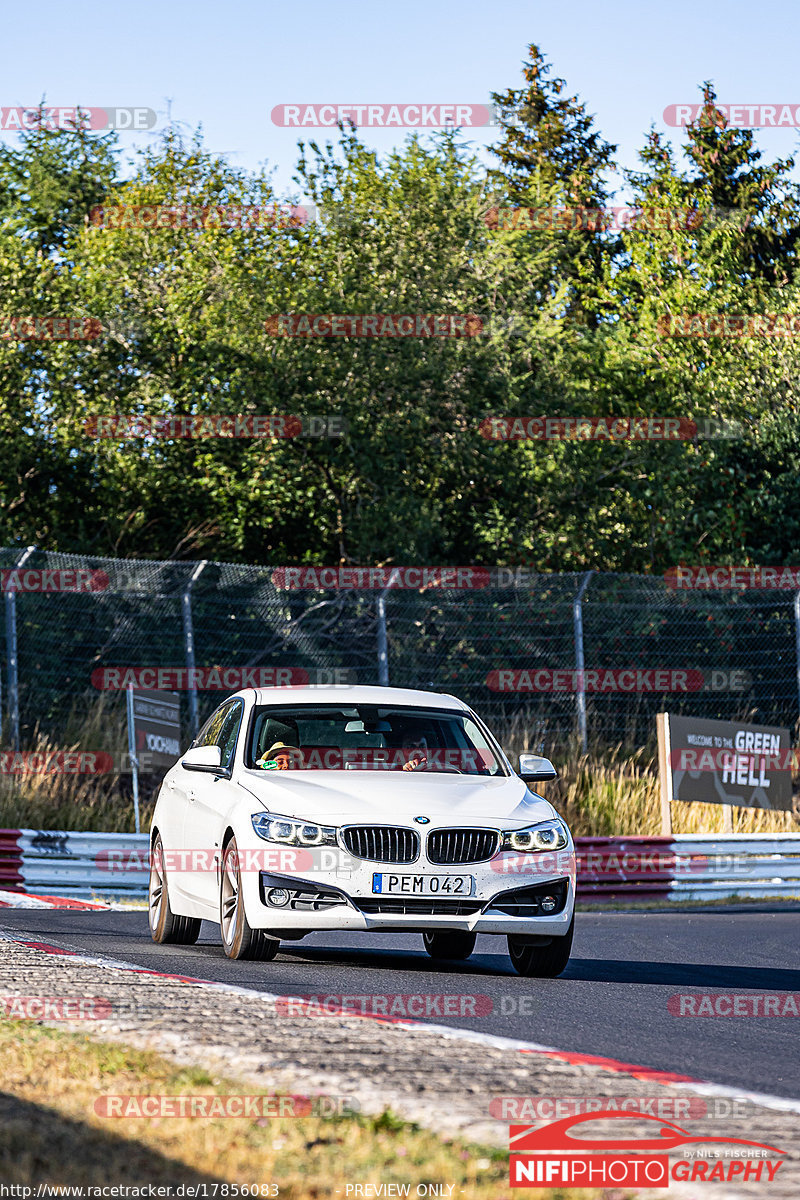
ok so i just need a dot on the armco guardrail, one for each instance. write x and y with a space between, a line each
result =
10 860
74 864
682 867
690 867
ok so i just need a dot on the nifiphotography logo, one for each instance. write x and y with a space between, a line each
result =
552 1156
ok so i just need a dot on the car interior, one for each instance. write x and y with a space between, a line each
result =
320 733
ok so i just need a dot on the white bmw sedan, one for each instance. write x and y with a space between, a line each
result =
298 810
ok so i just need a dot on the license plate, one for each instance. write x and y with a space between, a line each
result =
422 885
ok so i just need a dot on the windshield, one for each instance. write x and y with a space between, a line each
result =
370 738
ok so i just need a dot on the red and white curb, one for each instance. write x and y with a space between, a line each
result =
23 900
635 1071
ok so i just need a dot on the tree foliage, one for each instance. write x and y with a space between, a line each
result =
572 325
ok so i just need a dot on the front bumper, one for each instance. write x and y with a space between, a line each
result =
504 901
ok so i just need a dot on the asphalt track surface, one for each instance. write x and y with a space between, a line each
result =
611 1001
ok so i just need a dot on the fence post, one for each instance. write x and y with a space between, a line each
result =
383 645
133 754
188 640
1 702
797 640
580 692
11 648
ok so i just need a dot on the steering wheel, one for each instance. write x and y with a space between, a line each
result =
425 766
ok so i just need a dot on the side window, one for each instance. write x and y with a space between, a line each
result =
209 734
229 731
222 728
487 760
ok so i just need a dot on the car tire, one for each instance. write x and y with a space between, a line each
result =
542 962
239 940
449 943
165 926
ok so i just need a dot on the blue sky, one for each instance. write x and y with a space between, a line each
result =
224 66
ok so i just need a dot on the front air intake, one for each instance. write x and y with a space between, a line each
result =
381 843
462 845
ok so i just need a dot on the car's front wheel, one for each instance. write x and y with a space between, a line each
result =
449 943
541 962
239 940
165 926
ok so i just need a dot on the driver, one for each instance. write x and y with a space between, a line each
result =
281 757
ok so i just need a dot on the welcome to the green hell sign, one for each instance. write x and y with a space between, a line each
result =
725 762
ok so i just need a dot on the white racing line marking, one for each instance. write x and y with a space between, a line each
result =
650 1074
33 900
21 900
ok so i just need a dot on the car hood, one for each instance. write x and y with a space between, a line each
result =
342 797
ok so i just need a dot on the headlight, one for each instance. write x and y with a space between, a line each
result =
288 831
549 835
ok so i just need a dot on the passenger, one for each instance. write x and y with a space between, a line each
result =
417 749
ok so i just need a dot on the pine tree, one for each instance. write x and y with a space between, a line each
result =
548 139
729 187
551 159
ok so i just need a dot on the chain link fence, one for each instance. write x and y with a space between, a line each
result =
590 656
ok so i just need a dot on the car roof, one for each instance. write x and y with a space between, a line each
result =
358 694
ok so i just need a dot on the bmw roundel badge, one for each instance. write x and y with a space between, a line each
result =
422 820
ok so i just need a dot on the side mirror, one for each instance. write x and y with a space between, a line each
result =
535 769
203 758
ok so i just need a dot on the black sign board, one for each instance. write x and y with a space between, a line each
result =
157 722
727 762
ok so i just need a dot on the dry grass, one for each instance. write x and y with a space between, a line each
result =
50 801
610 791
82 802
617 792
50 1133
614 791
